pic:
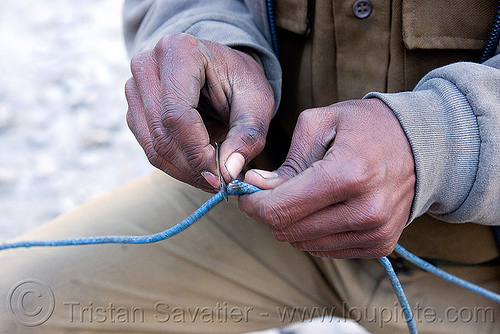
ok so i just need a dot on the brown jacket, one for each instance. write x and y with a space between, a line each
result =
331 55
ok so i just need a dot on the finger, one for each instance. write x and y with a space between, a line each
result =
333 219
356 253
341 234
252 106
372 242
164 148
362 213
369 239
310 143
147 82
135 114
216 92
136 121
376 242
315 188
371 210
312 137
263 179
182 76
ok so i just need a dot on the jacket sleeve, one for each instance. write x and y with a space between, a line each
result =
235 23
452 121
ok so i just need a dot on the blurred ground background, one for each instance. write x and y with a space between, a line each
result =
63 134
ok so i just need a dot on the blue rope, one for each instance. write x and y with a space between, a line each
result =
236 188
176 229
398 289
444 275
241 188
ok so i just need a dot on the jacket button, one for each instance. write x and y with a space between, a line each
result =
362 8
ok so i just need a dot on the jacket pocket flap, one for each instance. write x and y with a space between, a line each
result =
292 15
447 24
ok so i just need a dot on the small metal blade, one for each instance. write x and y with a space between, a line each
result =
222 183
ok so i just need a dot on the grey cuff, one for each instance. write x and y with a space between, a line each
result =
452 121
445 142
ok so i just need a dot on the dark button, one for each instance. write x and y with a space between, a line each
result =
362 8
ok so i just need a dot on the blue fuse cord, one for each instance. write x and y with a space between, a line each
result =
115 239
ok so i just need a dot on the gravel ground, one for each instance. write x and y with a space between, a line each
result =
63 134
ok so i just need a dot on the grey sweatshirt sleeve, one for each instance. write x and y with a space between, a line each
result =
452 121
229 22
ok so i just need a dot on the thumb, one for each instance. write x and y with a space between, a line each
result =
244 141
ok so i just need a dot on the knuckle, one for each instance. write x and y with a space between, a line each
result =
294 164
140 60
130 87
357 176
280 235
179 42
274 216
195 159
381 236
254 136
306 115
162 146
304 120
170 115
383 250
373 214
379 242
287 235
152 156
310 117
165 44
249 140
304 246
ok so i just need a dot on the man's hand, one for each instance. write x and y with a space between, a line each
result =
346 187
186 94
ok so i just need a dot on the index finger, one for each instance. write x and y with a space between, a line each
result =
252 107
182 74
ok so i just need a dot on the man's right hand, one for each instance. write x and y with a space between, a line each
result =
186 94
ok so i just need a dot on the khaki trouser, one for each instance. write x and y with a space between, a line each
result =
225 274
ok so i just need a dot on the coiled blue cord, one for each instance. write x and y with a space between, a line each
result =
241 188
